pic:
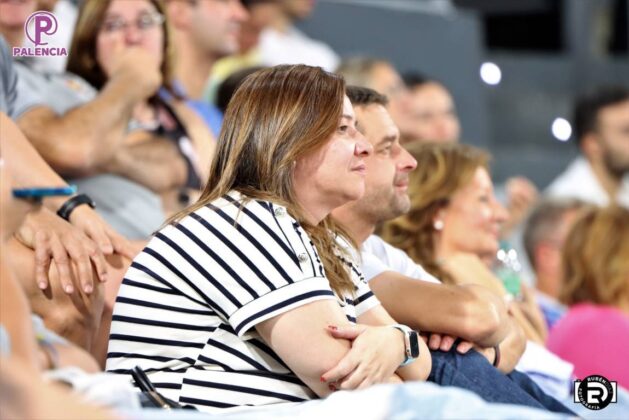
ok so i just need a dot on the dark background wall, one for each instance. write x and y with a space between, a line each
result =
549 51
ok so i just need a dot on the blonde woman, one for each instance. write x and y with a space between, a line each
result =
594 334
453 226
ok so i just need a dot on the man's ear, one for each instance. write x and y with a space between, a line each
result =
179 13
591 145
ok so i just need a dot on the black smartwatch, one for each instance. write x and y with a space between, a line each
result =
411 343
68 207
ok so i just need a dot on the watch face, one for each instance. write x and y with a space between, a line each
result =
414 342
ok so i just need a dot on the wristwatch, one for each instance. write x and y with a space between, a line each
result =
411 343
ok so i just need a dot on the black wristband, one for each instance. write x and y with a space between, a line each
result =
68 207
497 357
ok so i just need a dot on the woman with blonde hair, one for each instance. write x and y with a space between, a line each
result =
453 226
249 296
594 334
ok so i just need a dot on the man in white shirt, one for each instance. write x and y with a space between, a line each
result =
282 43
470 312
601 174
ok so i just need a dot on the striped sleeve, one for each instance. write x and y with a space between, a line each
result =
365 298
248 263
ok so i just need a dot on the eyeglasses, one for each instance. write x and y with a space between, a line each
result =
144 23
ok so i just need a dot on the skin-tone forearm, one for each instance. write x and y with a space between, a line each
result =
15 317
76 143
37 173
512 347
155 163
468 312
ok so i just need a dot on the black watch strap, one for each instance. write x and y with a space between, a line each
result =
68 207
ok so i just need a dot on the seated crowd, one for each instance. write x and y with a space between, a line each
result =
259 222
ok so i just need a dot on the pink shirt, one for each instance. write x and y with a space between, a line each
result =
595 339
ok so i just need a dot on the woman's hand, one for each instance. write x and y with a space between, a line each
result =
376 353
469 269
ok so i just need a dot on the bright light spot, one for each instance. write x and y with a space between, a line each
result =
561 129
490 73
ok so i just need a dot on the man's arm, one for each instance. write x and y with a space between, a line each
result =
469 312
153 162
76 143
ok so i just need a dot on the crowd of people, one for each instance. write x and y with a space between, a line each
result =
211 212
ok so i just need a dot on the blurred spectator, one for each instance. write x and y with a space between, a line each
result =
82 133
203 32
452 230
228 87
77 131
282 43
544 237
432 109
381 76
163 125
601 174
260 13
594 334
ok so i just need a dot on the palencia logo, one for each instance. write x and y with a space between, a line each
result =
37 28
595 392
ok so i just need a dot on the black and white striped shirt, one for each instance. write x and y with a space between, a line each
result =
188 305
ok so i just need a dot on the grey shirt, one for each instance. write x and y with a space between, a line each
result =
130 208
9 103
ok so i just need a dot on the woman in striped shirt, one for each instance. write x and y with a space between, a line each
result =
251 296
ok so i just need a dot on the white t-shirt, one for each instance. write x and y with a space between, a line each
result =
579 181
188 306
378 257
294 47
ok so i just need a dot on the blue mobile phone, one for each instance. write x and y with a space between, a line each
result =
38 193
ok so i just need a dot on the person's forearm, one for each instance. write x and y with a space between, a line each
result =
15 317
38 173
76 143
156 164
420 368
493 310
469 312
511 348
529 330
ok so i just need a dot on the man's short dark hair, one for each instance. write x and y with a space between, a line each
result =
415 79
363 96
589 105
229 86
544 220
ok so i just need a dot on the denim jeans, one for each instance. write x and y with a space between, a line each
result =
471 371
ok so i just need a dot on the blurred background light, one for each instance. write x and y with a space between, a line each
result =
561 129
490 73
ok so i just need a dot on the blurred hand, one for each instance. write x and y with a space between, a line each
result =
444 342
94 227
467 268
521 195
137 68
375 355
54 239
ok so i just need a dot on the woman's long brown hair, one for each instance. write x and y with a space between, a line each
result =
277 116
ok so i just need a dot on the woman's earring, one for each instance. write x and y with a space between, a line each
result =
438 224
